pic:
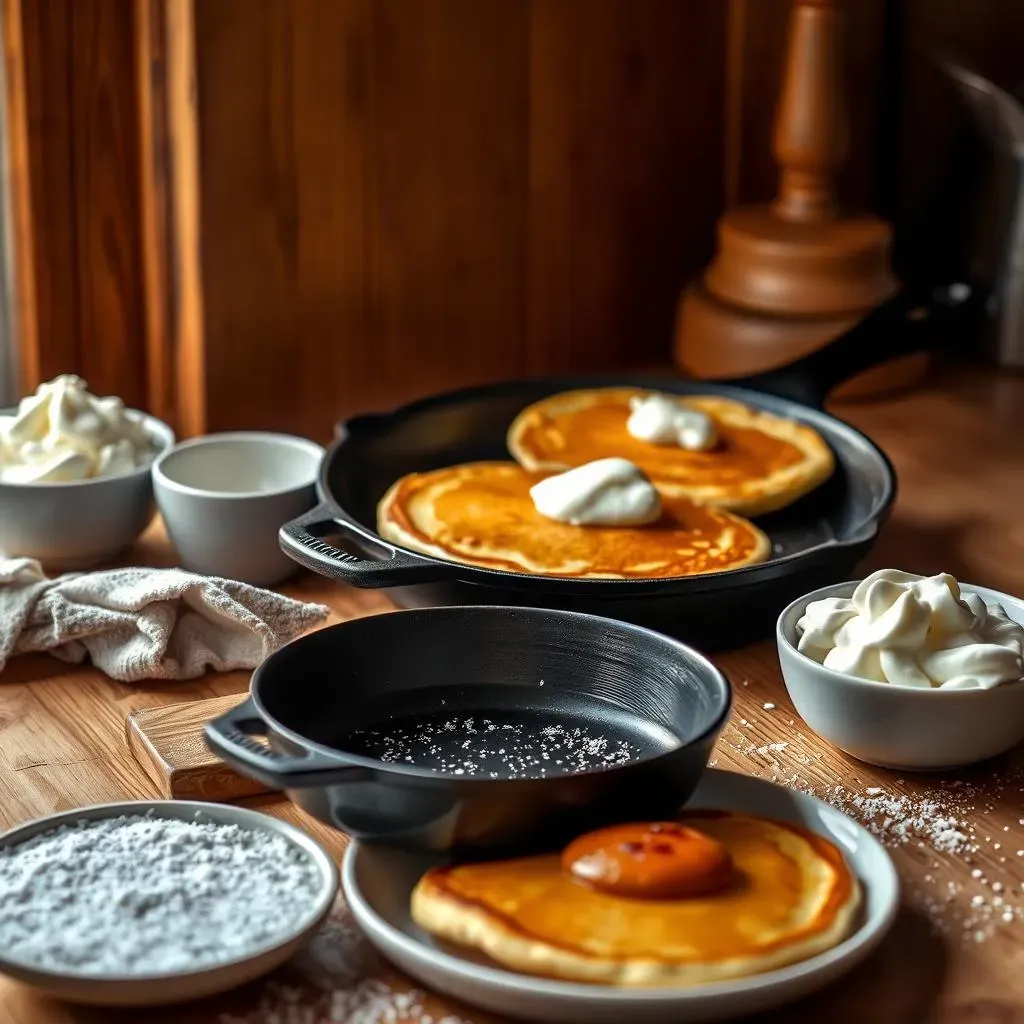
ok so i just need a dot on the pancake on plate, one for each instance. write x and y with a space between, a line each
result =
714 896
760 463
481 513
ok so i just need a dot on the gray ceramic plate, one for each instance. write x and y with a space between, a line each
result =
162 989
378 884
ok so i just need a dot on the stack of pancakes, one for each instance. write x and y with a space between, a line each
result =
482 514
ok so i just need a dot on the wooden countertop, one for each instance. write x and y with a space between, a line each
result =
957 951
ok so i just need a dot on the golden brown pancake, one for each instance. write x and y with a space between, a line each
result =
761 462
788 895
482 514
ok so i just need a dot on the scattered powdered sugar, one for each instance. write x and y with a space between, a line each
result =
896 819
940 819
141 895
341 982
945 820
491 747
368 1001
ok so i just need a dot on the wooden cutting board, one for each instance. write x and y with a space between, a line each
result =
168 742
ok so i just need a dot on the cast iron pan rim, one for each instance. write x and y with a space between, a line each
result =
667 587
570 382
708 672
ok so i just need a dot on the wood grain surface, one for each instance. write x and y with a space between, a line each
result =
956 954
169 744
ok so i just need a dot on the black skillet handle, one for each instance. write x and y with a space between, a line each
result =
913 320
302 540
230 737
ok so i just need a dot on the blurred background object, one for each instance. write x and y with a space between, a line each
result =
994 240
272 213
791 275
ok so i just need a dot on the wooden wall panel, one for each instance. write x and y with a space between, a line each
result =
625 153
363 205
77 244
448 159
335 303
104 138
344 203
249 230
47 251
405 196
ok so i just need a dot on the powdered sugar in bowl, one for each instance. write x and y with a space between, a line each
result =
926 695
156 902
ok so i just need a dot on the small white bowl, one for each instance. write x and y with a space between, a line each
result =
901 727
224 497
80 524
177 986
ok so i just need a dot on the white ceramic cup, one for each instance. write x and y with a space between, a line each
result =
224 497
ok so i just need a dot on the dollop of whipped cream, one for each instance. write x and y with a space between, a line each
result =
660 419
63 433
608 492
914 631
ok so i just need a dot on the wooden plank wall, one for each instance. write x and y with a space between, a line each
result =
391 197
78 244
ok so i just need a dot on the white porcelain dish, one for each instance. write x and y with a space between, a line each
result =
176 987
81 523
900 726
378 884
225 496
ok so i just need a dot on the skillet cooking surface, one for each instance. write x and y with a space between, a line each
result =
471 425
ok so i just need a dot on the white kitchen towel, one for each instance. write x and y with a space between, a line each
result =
139 624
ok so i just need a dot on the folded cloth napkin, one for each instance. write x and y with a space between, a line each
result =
145 623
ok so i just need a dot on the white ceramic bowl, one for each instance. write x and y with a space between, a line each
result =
82 523
224 498
177 986
901 726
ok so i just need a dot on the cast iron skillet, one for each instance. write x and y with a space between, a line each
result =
332 703
817 541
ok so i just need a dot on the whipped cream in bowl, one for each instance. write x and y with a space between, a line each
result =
64 434
908 671
75 480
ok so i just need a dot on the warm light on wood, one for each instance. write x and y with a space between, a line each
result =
810 140
64 745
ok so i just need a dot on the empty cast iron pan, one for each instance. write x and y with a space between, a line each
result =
816 541
479 729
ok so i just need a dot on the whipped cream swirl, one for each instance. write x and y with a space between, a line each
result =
608 492
660 419
912 630
63 433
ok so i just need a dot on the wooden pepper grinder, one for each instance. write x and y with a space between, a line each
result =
790 276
